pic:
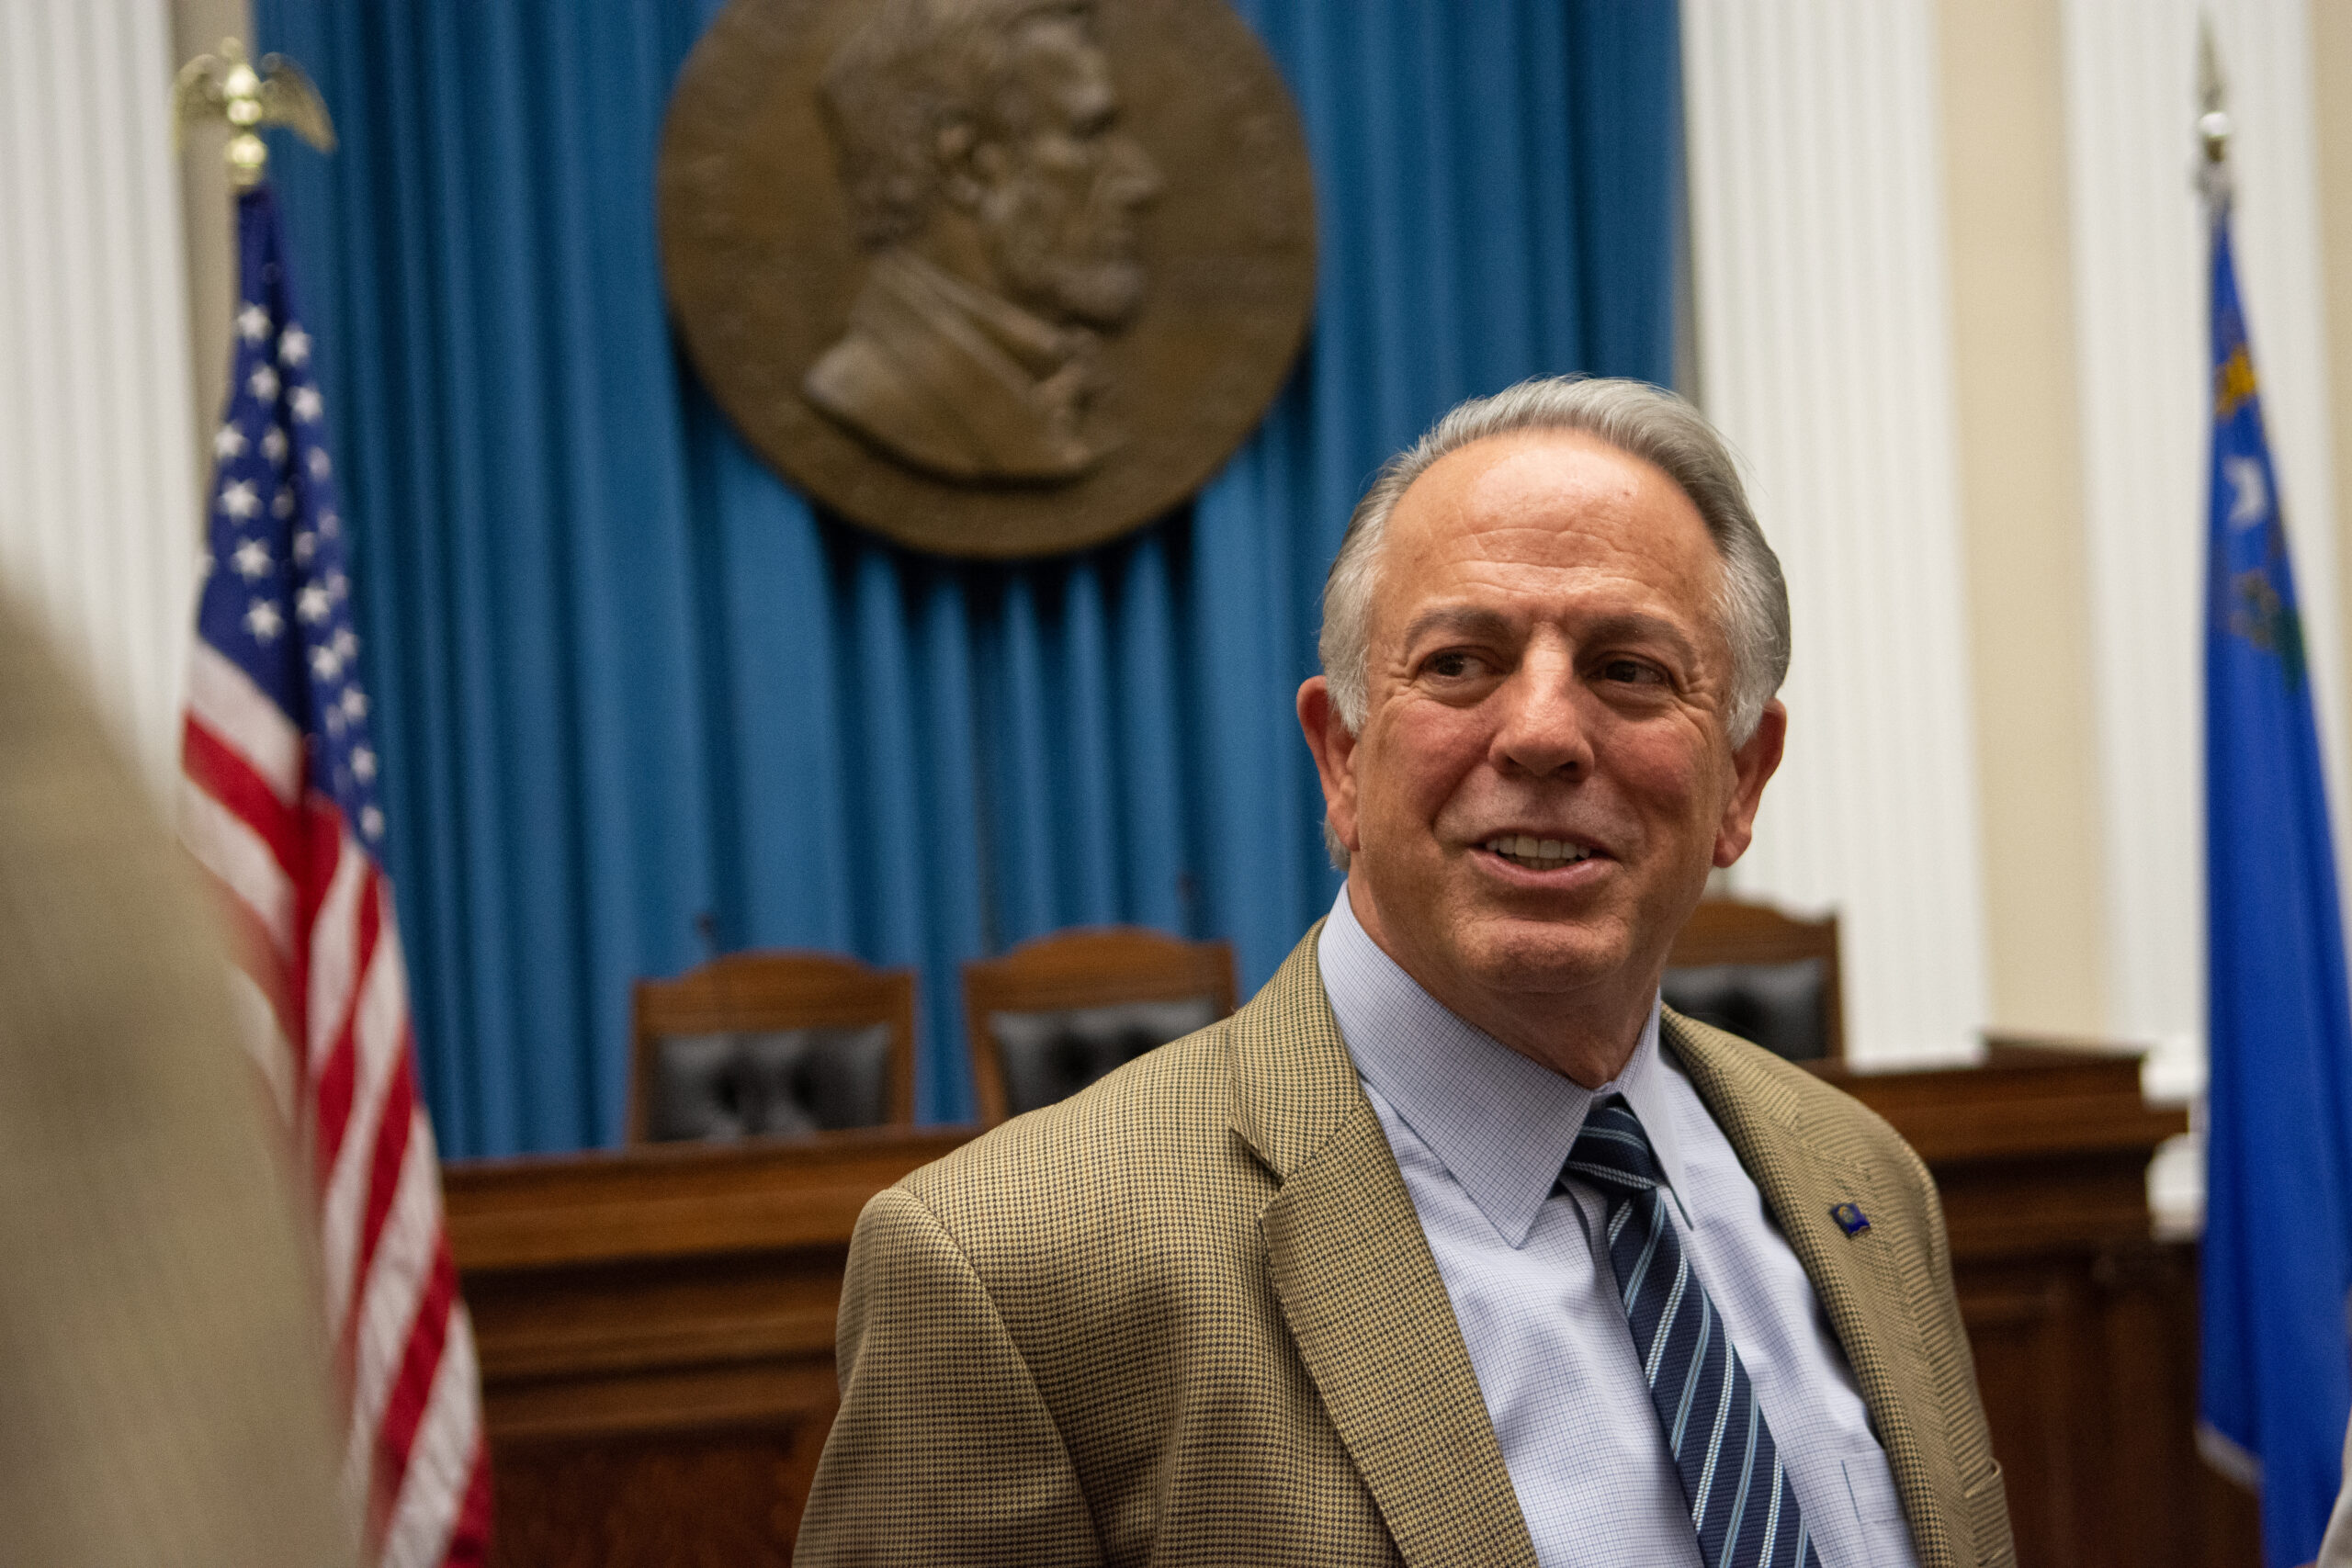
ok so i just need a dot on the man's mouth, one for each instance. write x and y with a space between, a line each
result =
1536 854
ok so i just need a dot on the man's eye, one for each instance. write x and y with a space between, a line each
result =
1452 665
1632 671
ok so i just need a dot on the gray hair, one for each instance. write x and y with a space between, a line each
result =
914 68
1640 421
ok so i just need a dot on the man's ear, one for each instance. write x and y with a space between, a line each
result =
1753 765
1335 748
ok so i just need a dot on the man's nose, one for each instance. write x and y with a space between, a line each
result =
1542 730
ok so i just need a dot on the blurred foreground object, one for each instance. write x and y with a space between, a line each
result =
2335 1546
281 807
2277 1373
163 1395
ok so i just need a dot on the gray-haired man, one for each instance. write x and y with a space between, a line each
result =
1453 1246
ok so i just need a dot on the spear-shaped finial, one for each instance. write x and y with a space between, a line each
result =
2213 122
223 86
2214 125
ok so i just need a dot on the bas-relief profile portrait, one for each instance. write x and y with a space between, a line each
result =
989 182
993 279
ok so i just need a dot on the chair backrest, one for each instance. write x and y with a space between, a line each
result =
1054 1014
775 1044
1764 976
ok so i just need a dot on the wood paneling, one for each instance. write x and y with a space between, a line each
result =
715 1501
656 1326
656 1334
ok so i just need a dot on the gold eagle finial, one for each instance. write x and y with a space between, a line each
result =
223 86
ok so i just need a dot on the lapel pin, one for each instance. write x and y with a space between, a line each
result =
1850 1218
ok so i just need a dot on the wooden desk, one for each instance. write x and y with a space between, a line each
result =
656 1330
656 1324
2083 1325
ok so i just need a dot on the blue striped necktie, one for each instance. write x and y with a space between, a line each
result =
1739 1496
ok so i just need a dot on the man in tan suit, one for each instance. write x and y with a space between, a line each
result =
1453 1246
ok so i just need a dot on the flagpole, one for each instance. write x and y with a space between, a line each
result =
283 810
221 88
2213 123
2275 1368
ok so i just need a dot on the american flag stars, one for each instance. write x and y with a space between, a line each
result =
281 780
274 578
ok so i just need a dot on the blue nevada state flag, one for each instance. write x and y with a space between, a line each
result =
2276 1377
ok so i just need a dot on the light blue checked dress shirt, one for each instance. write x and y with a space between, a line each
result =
1480 1132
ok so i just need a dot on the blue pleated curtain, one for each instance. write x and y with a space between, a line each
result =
629 683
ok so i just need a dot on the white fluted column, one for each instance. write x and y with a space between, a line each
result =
1825 355
98 505
2140 290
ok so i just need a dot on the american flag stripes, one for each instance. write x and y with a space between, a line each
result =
279 805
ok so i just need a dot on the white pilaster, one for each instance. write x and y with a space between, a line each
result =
1816 192
97 488
2140 289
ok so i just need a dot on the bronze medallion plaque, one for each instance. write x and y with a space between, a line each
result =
993 277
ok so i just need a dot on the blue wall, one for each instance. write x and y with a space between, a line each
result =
624 677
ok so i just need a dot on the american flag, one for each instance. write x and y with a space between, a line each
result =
279 804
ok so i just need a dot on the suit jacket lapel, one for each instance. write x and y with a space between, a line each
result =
1359 1289
1856 1278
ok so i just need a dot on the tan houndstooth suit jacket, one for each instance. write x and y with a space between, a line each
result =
1189 1316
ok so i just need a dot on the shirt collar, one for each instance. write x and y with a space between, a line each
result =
1499 1122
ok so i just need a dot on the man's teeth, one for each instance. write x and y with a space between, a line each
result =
1539 854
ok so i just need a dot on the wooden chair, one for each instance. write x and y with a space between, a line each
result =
756 1043
1765 975
1054 1014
